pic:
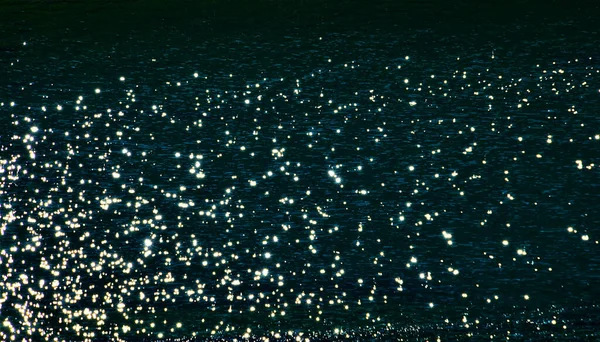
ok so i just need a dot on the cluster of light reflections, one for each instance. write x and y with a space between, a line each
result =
287 198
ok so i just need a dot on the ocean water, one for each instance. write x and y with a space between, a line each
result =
383 184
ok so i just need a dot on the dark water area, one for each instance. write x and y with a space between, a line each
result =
322 172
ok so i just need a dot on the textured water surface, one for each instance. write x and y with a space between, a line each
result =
335 185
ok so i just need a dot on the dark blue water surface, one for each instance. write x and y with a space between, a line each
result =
329 183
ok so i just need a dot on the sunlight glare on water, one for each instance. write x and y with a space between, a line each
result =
350 194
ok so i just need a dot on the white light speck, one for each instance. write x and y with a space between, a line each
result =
97 91
34 129
147 242
116 175
267 255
